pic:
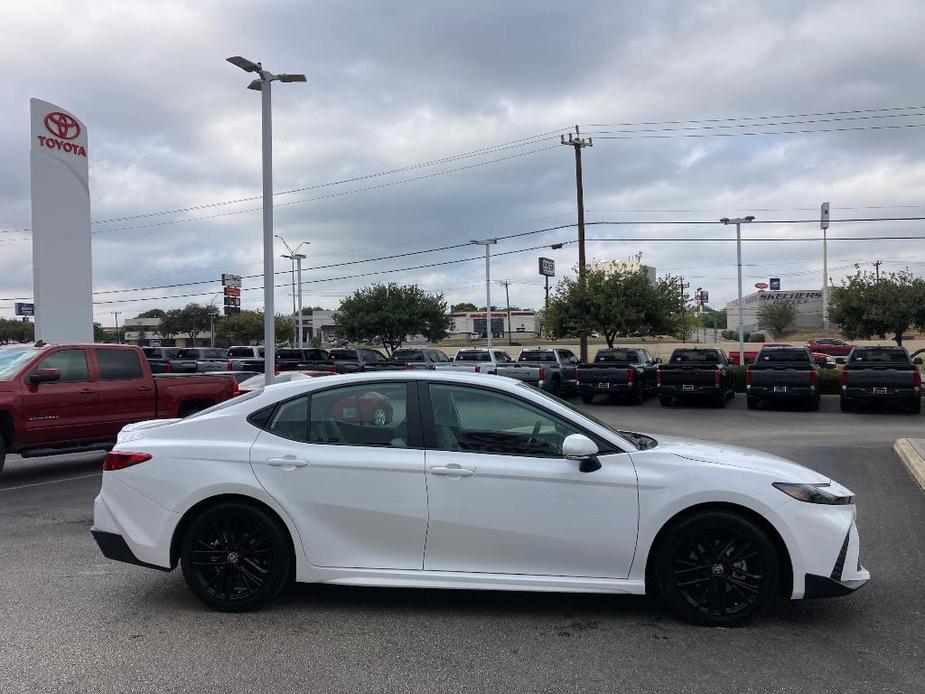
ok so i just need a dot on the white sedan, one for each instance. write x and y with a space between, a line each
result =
439 480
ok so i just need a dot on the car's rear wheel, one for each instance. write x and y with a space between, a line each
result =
845 405
664 400
235 557
915 407
751 403
586 398
717 568
813 404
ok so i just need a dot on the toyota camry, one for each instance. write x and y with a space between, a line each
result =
439 480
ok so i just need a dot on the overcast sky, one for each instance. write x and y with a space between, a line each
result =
393 85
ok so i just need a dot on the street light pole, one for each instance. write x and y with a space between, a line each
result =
263 86
739 221
487 243
824 225
295 257
299 257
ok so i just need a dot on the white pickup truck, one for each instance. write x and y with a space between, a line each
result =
477 360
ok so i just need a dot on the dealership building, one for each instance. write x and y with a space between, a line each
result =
808 304
467 323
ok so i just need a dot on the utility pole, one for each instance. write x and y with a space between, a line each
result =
579 143
877 264
739 221
488 244
116 314
824 225
507 296
682 287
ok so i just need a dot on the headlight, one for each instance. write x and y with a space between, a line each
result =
812 493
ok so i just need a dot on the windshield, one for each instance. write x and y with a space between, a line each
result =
639 441
12 359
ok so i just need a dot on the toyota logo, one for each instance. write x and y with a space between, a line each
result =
62 125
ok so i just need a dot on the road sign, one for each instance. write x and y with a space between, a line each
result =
547 267
761 285
775 284
24 309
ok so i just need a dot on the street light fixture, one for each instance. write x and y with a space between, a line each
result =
263 86
739 221
488 244
295 257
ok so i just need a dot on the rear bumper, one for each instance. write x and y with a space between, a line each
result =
113 546
605 387
865 395
792 393
689 390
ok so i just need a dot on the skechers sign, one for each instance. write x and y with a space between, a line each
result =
64 128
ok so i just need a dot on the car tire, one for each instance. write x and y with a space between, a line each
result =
556 386
915 407
751 403
236 557
813 405
664 400
720 400
638 396
587 398
717 568
845 405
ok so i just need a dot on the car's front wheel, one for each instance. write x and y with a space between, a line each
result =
717 568
235 557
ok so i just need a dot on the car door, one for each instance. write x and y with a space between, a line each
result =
63 410
503 499
568 364
347 464
126 392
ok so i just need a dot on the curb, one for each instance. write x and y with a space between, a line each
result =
912 453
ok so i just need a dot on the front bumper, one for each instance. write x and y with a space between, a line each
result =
845 577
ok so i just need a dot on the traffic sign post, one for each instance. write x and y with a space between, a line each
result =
232 292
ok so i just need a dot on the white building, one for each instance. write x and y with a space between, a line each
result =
808 304
466 323
631 264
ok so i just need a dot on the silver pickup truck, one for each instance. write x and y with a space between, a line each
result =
477 360
553 370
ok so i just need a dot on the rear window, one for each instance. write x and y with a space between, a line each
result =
344 354
405 355
682 356
191 353
774 355
473 356
118 364
289 354
537 356
242 352
881 355
616 355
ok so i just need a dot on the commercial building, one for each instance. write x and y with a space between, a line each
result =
466 323
632 264
808 303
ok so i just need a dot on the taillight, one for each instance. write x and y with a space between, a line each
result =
917 378
748 377
844 377
716 379
119 460
658 377
276 371
542 373
333 368
577 374
630 375
170 367
230 367
478 369
813 378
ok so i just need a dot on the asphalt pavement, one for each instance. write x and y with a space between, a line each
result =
72 621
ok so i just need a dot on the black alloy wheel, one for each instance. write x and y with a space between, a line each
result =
235 557
717 568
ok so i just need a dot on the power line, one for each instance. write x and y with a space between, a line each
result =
770 132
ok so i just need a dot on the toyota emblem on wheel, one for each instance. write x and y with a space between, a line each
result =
62 125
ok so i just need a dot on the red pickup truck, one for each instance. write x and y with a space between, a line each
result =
75 398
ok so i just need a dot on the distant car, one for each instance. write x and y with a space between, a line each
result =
830 345
429 479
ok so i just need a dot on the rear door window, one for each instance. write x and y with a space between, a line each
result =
118 364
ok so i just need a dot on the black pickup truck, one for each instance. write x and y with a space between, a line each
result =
879 376
159 358
342 360
696 374
629 373
290 358
418 358
783 374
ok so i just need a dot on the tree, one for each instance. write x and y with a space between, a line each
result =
242 328
153 313
12 330
777 315
710 315
194 319
465 306
285 328
389 313
612 303
864 306
99 335
170 324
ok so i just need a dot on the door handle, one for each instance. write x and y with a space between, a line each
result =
451 471
85 391
144 388
288 463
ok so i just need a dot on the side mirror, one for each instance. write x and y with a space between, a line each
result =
582 449
43 376
917 361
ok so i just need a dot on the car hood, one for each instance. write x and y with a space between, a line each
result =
130 432
738 456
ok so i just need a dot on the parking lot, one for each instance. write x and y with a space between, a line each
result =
72 621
